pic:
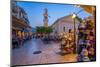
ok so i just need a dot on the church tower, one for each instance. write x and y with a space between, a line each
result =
45 20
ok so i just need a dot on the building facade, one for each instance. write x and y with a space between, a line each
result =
63 24
21 28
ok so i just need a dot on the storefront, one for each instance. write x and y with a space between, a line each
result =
19 30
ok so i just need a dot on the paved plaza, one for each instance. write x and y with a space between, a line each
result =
49 53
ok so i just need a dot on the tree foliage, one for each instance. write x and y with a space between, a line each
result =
45 30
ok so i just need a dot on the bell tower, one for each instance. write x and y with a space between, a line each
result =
45 20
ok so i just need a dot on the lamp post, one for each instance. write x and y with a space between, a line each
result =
74 16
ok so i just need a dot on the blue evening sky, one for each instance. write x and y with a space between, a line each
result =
35 11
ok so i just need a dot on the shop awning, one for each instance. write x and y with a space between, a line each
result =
88 8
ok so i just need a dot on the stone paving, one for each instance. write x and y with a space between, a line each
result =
24 55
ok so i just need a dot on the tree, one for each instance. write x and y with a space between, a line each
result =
48 30
44 30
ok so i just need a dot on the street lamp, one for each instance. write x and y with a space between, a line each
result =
74 16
